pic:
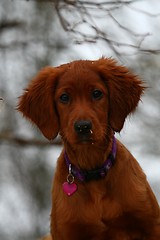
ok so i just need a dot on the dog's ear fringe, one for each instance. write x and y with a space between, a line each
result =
125 90
37 102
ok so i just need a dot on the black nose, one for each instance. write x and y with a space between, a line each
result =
83 126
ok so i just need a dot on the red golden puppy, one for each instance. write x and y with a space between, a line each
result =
99 192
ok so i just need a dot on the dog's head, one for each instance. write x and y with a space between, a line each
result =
81 100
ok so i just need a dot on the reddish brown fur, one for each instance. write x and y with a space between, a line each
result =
120 206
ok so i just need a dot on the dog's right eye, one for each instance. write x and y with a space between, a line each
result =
64 98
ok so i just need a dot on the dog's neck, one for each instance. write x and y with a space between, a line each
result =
94 173
89 156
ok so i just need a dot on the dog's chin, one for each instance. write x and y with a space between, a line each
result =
85 142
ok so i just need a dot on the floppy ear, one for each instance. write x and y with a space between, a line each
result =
37 102
124 88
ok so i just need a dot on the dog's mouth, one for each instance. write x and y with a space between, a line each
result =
86 138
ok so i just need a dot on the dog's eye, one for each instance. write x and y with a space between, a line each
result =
64 98
97 94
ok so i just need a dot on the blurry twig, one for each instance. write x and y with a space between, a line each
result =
21 141
10 24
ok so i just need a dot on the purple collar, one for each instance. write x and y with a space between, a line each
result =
94 174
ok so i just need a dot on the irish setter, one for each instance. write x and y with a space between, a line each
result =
99 192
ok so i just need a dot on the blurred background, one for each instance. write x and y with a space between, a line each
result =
34 34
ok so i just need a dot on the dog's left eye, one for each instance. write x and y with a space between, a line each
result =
97 94
64 98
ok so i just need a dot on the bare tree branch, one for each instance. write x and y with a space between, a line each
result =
86 14
83 20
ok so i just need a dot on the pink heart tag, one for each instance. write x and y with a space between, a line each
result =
69 188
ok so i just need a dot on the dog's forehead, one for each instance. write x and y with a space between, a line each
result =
80 75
